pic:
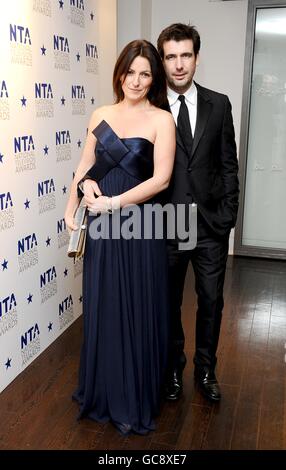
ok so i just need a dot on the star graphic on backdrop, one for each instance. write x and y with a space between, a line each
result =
80 299
1 157
66 272
61 4
23 101
43 49
92 100
64 189
91 16
29 299
8 363
27 204
63 100
48 241
46 150
78 56
79 143
5 264
50 326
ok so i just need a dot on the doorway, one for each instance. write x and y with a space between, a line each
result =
261 227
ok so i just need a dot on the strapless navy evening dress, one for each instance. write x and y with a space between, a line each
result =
125 304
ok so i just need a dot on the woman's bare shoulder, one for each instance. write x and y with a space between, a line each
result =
99 114
162 117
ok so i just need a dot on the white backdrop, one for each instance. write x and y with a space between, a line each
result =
49 83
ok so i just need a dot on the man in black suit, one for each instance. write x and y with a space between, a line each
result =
205 173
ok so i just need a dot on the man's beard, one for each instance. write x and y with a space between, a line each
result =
178 86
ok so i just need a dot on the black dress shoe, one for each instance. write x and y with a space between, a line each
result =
174 385
208 384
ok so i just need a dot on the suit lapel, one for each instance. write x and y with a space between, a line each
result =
204 107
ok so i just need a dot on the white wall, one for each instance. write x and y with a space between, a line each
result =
107 35
222 26
128 22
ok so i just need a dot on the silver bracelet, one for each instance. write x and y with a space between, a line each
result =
110 210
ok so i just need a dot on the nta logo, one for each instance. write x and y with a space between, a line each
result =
63 137
20 34
5 201
48 276
65 304
43 90
61 226
30 335
27 243
46 187
91 51
23 143
78 92
3 90
7 304
61 44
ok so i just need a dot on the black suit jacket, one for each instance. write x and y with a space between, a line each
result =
208 176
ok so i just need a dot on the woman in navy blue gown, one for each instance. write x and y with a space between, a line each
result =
127 160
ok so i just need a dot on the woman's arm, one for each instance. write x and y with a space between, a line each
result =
164 154
86 162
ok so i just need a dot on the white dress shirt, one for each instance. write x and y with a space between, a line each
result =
191 99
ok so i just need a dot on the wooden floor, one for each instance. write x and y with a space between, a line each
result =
37 411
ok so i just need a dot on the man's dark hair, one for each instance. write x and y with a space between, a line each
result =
179 32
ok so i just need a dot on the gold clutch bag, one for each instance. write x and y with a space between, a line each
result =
78 237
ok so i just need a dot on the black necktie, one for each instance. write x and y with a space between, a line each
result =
183 123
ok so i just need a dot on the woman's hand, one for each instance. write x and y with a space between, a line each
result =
93 198
69 219
91 191
101 205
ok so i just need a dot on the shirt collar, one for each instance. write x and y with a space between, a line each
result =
190 95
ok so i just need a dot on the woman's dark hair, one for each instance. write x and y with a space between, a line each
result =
157 95
179 32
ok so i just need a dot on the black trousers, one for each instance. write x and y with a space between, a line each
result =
209 263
